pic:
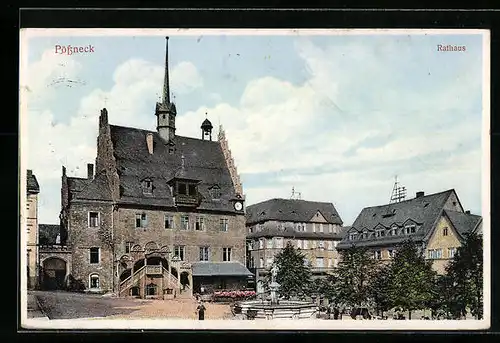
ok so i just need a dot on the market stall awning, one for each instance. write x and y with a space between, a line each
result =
220 269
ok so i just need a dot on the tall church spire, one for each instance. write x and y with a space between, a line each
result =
166 81
165 110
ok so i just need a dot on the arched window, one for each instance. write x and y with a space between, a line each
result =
215 192
94 281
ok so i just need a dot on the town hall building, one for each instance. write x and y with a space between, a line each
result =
159 215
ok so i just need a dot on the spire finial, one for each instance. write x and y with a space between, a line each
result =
166 86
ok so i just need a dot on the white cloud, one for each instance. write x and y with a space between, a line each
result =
320 125
130 102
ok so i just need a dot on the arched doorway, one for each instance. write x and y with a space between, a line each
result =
138 265
125 274
156 260
184 280
174 272
54 273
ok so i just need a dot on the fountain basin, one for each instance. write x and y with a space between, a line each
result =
285 309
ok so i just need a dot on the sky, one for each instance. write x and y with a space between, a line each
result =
334 116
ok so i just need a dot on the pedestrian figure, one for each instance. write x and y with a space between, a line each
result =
201 311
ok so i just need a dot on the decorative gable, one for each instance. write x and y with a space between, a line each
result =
318 218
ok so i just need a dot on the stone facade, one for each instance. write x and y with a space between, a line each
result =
314 235
32 231
32 191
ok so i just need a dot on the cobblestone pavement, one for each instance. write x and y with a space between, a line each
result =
65 305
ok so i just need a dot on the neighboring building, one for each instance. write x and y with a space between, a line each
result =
54 256
161 214
32 228
436 222
313 227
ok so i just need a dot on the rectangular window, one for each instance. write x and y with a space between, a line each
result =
226 254
439 253
330 228
185 223
141 220
192 190
335 263
299 244
321 244
320 227
306 262
313 244
330 263
392 253
319 262
169 221
128 247
269 243
330 245
377 254
200 224
94 255
179 251
452 252
261 243
182 188
314 227
445 231
223 224
380 233
204 254
306 244
279 242
352 236
269 262
93 219
261 263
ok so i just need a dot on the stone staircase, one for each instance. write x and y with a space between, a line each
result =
169 282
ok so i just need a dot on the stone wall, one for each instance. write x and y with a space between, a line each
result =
82 238
32 239
192 240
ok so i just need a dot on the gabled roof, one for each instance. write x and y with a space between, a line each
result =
48 233
32 182
424 211
90 189
291 210
203 160
219 269
463 222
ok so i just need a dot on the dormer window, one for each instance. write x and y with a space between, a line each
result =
147 186
188 189
352 236
364 235
215 192
380 233
409 229
394 231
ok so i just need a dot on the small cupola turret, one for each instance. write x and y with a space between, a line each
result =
206 129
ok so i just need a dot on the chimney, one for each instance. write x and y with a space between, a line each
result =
90 171
149 142
420 194
467 212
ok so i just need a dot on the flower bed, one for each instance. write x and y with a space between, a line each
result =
233 295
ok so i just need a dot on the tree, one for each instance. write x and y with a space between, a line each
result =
379 292
412 279
465 273
294 276
352 276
